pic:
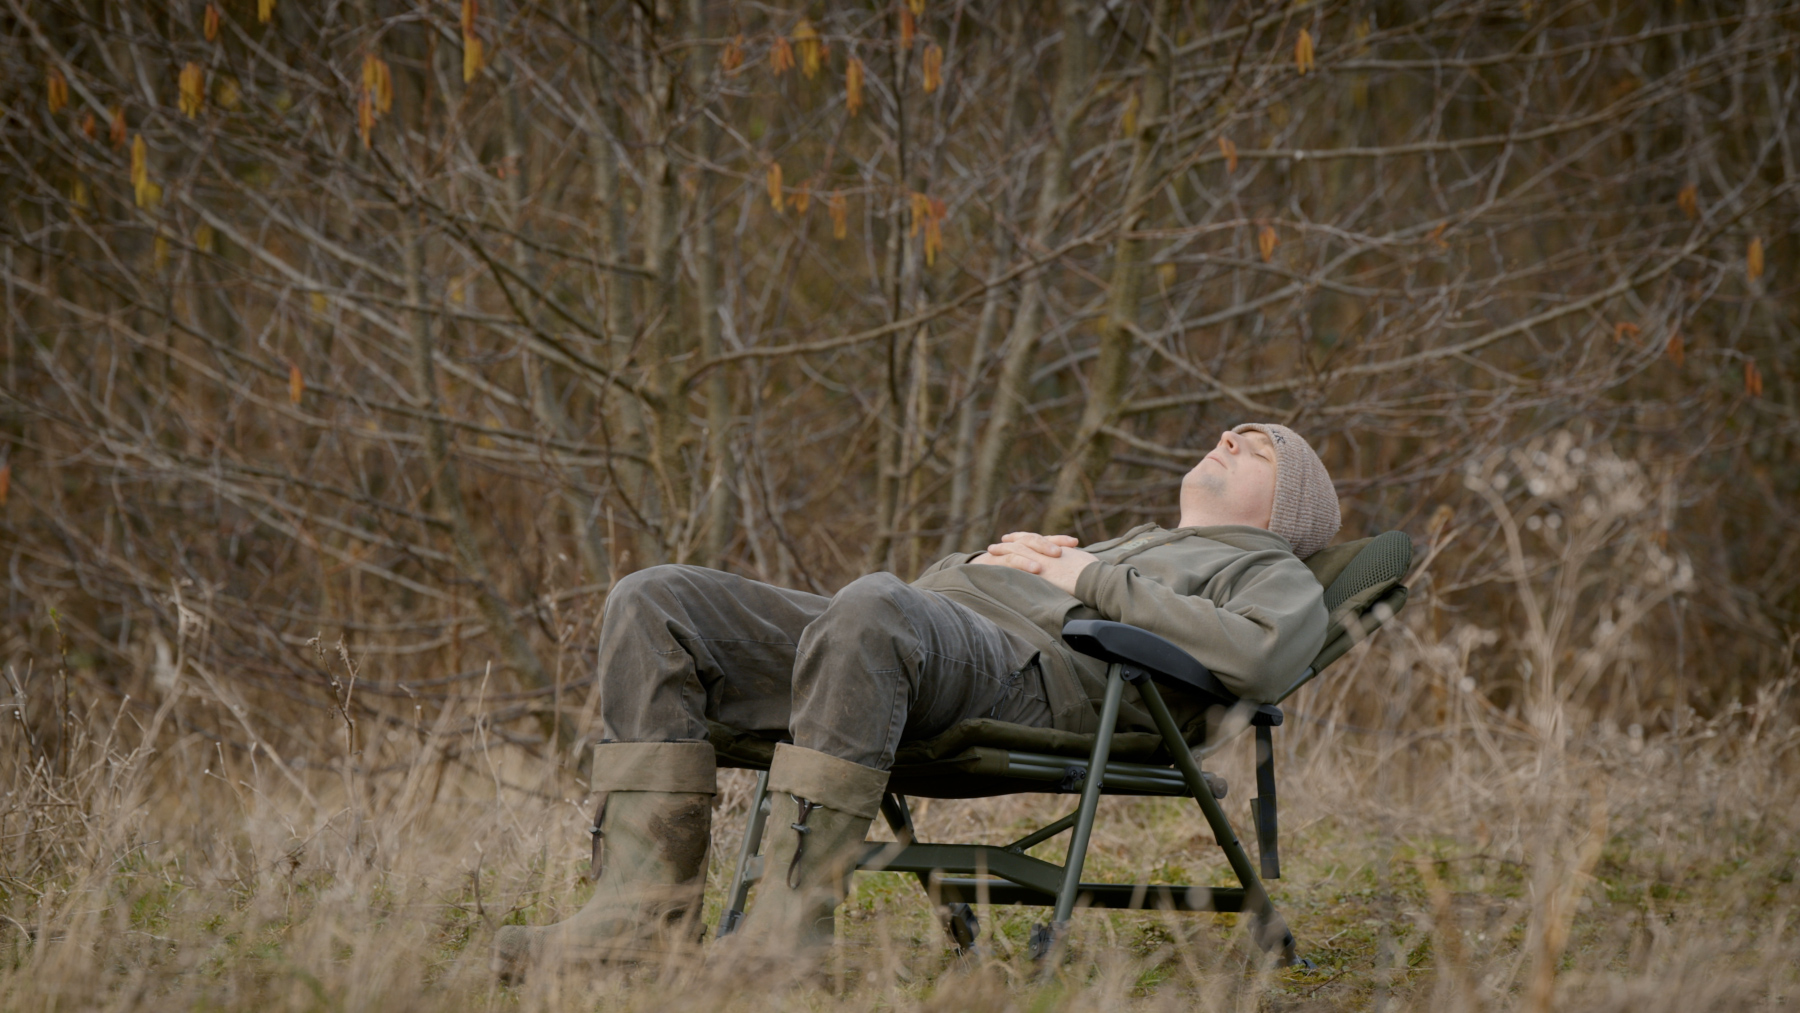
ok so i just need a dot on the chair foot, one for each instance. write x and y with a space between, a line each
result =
963 927
1042 941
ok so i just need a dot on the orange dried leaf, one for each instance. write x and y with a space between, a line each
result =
56 90
193 89
1752 378
1624 328
932 65
117 129
1753 259
469 11
365 118
803 198
265 11
921 209
1303 52
1675 349
90 127
806 41
211 22
1437 236
1266 241
1229 150
781 56
775 193
934 240
1129 120
840 215
853 85
1689 199
732 56
908 28
5 481
296 383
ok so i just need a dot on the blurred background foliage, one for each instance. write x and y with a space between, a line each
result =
353 350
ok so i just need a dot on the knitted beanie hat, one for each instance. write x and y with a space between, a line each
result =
1306 504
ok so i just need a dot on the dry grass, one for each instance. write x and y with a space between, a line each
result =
1460 867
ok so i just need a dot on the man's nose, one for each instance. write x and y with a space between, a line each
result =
1229 440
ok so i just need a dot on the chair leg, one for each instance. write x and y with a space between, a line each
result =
1262 807
739 895
1090 803
1269 929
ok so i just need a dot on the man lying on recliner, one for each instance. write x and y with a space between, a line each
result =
850 677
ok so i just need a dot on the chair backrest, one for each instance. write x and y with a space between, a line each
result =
1362 591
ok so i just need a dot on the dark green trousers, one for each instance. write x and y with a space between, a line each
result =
852 675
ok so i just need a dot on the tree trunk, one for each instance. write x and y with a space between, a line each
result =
1092 448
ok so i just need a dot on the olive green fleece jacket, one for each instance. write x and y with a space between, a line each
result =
1233 596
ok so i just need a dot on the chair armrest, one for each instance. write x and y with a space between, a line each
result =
1146 652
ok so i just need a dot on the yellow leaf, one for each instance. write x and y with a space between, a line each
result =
117 131
1131 113
296 383
781 56
265 11
56 88
78 194
1266 241
806 40
1676 351
934 240
1752 378
933 66
226 93
1165 273
193 84
853 82
732 56
212 22
803 198
1753 259
159 254
775 195
1229 150
921 209
471 42
319 303
1689 199
840 215
908 28
916 8
1303 52
148 194
471 58
203 238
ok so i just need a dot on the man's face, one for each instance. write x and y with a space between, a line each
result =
1234 484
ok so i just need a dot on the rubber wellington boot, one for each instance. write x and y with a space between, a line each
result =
820 811
652 833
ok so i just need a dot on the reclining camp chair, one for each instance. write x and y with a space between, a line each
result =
984 758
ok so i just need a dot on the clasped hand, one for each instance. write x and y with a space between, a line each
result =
1052 557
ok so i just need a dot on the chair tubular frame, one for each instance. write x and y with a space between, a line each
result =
962 875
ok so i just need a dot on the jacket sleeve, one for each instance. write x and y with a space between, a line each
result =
1257 642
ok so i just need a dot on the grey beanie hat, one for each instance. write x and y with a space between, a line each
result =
1306 504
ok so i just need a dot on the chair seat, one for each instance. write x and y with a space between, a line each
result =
984 758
